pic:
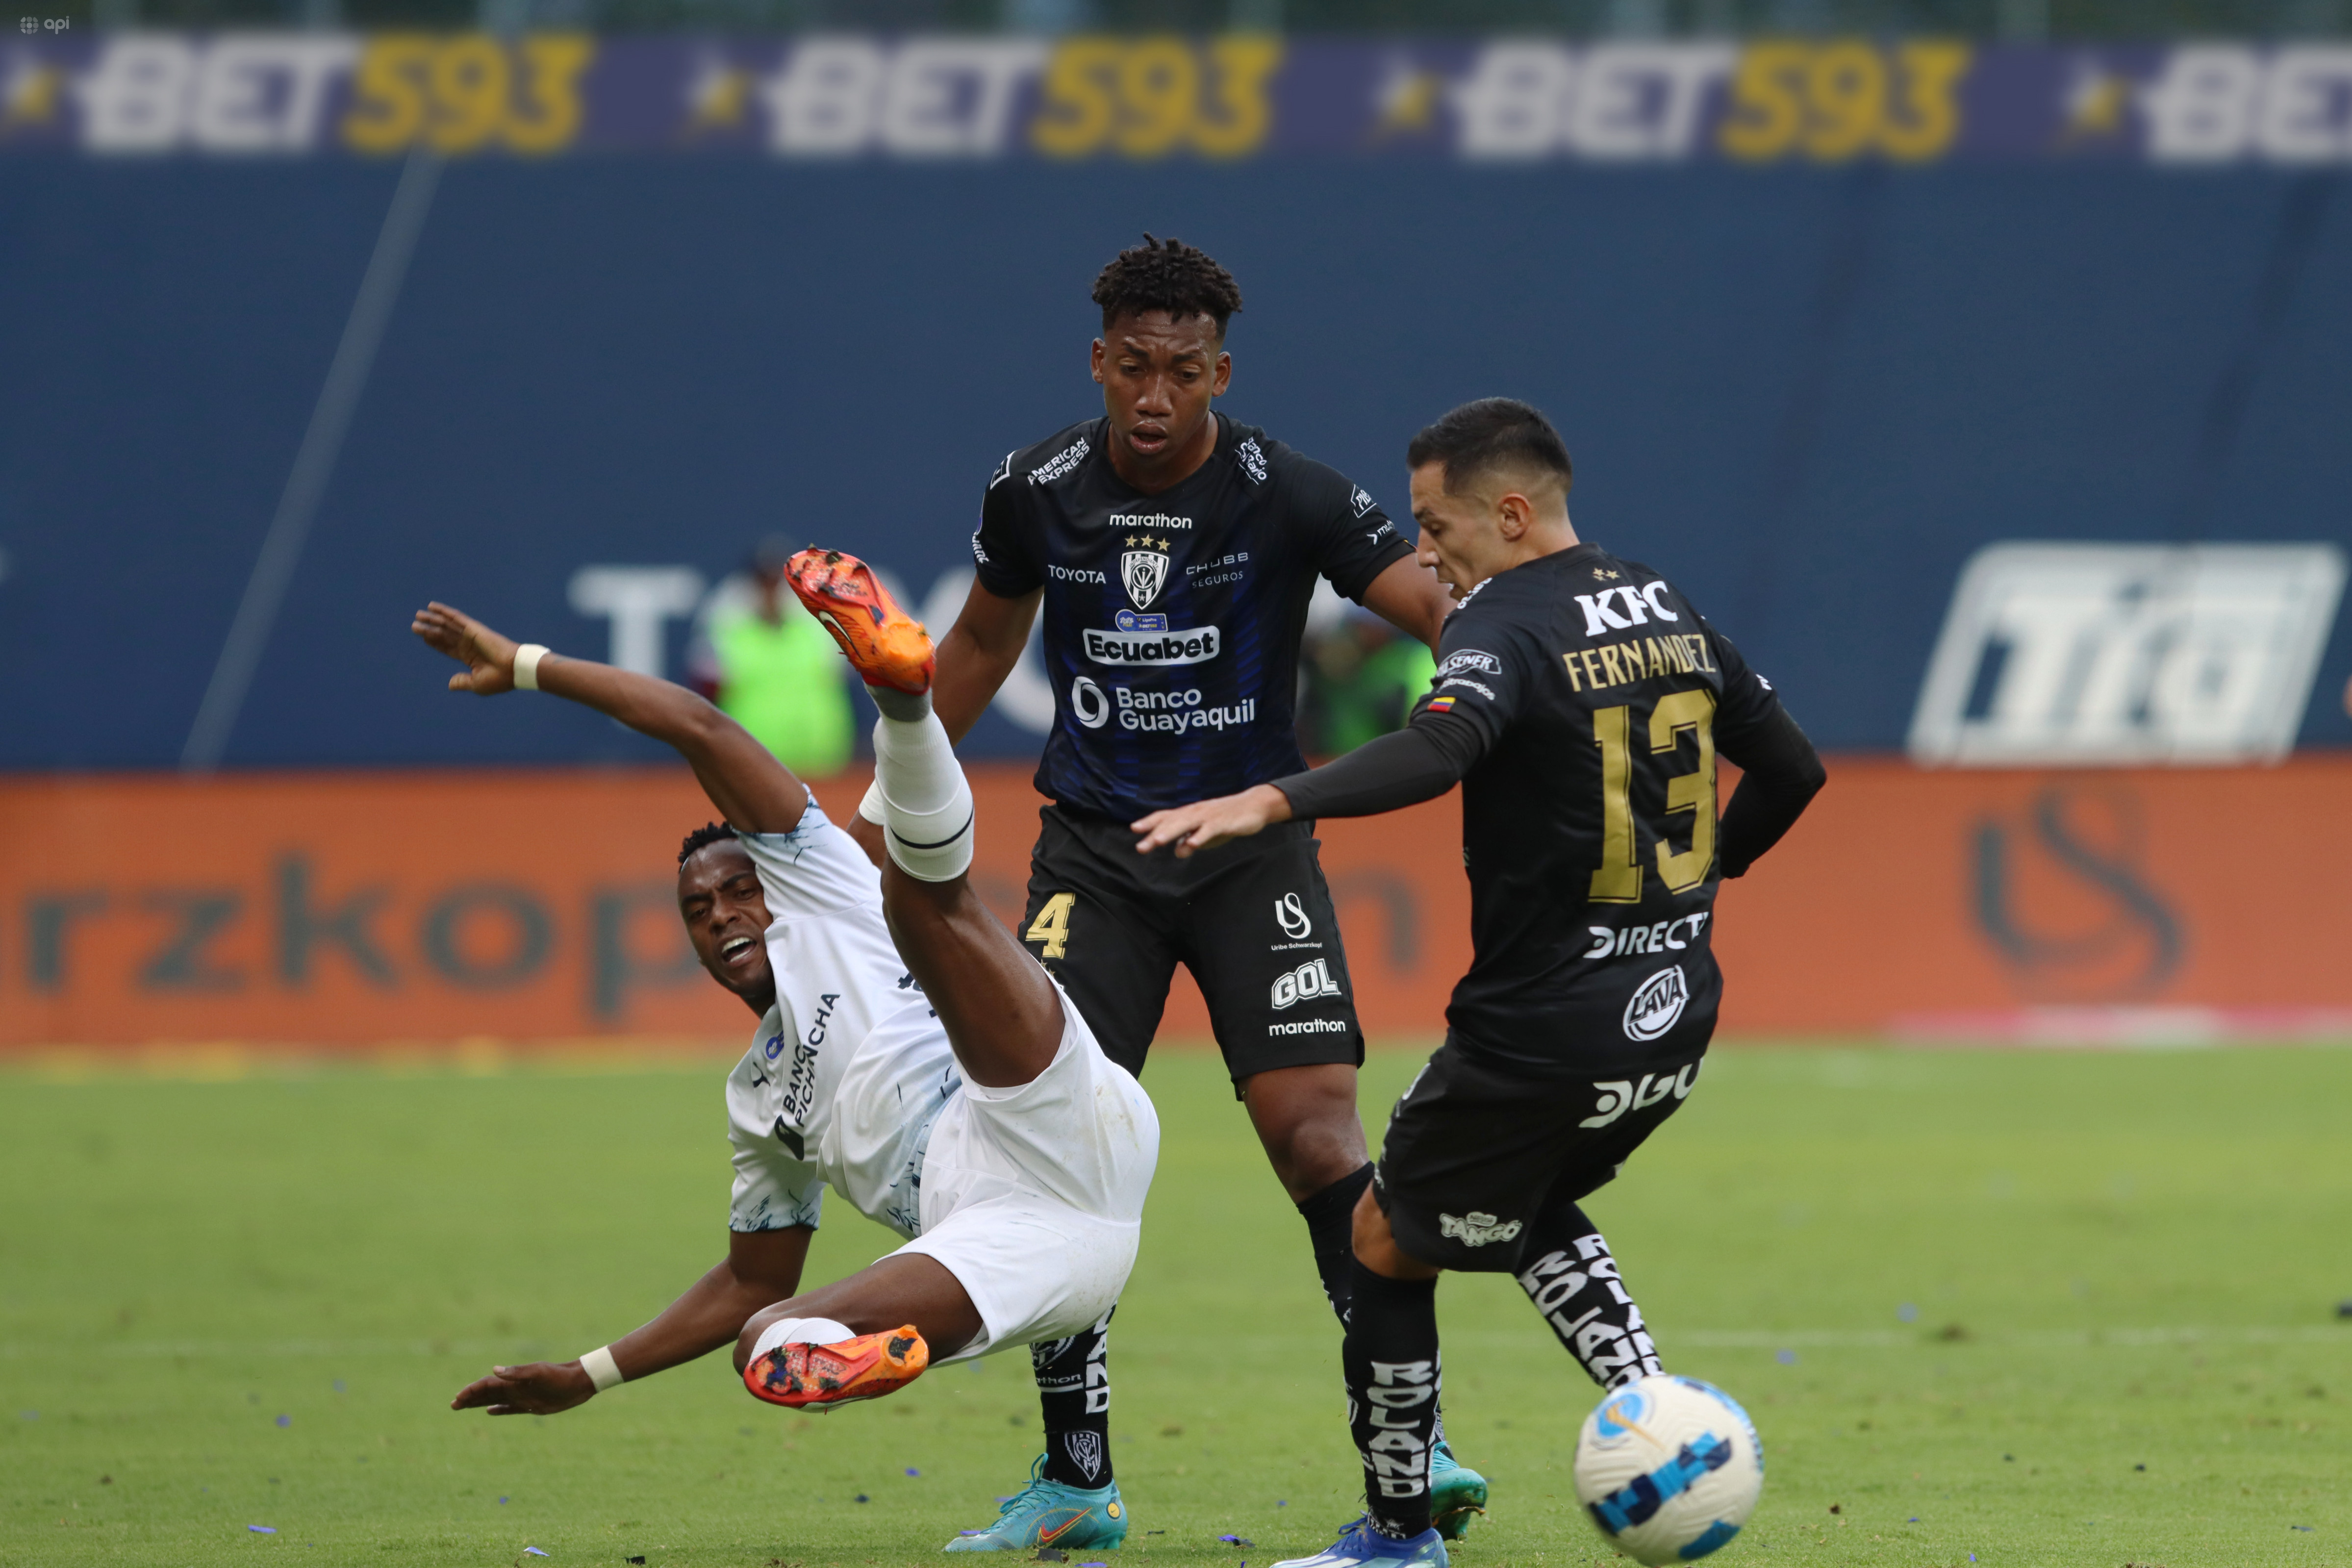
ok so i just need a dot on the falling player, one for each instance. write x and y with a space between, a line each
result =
1174 551
1581 701
954 1097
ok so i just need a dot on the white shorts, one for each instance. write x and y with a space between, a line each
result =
1033 1197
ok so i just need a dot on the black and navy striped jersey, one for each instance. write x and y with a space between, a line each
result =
1172 621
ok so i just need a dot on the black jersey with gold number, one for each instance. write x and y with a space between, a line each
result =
1588 827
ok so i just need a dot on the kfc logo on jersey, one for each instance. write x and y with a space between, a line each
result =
1145 570
1657 1004
1640 604
1304 983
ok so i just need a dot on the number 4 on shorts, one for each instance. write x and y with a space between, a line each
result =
1052 926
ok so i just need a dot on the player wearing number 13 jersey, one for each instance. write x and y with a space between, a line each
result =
1580 701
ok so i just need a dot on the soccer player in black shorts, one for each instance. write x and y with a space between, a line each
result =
1174 550
1581 701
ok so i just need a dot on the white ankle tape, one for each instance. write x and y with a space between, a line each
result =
798 1330
927 811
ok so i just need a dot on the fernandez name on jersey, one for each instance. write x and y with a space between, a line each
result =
1172 620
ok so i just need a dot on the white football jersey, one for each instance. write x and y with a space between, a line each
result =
850 1067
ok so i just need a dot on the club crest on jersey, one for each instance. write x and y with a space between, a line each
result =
1144 570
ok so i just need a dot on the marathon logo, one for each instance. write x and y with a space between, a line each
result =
1197 646
1641 659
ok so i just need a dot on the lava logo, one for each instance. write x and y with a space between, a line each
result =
1144 570
1657 1004
1292 916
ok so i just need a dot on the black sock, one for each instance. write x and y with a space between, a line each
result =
1574 1283
1391 1367
1330 1217
1074 1390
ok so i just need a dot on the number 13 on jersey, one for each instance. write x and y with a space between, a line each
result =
1618 879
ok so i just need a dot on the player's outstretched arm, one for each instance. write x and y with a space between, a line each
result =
761 1268
752 790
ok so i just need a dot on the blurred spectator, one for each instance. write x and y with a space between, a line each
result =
1361 678
774 668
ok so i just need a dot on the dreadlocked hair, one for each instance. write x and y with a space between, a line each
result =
1167 275
702 838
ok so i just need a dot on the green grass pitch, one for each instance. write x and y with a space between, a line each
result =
225 1304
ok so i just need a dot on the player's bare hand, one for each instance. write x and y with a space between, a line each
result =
1205 824
488 657
541 1388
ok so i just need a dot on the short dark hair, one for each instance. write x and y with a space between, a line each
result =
1167 275
1491 433
703 837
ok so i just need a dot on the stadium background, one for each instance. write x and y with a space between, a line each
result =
337 1015
1822 318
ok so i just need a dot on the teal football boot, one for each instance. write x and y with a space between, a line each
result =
1048 1513
1456 1493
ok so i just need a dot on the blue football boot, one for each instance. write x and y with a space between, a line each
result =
1457 1494
1361 1546
1048 1513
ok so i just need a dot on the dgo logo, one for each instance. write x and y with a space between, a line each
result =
1304 983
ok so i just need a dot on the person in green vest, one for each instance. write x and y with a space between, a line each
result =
776 674
1361 681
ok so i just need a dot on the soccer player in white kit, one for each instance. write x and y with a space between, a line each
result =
910 1055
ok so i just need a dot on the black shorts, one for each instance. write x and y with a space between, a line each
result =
1252 919
1476 1156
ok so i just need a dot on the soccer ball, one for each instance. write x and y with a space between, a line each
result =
1669 1467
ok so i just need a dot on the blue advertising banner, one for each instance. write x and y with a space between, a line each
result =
1236 97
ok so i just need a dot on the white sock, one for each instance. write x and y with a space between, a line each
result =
798 1330
926 799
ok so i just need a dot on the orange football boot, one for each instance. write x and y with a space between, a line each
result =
818 1377
886 646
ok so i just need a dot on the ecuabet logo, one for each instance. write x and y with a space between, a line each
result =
1658 1005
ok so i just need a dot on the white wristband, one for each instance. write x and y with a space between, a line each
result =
870 808
602 1369
526 677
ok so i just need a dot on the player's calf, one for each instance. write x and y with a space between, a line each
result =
1572 1279
816 1363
